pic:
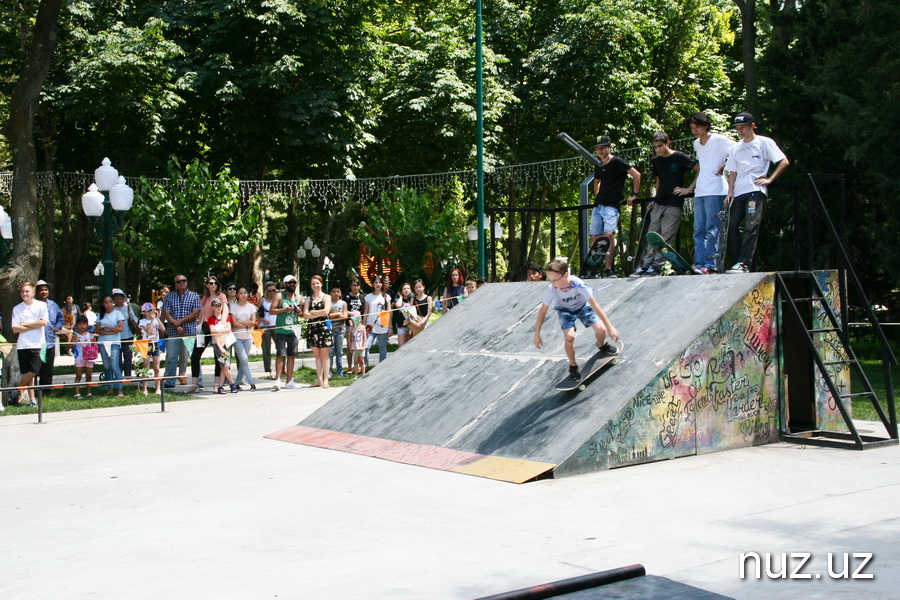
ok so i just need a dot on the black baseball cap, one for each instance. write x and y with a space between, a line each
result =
743 118
603 140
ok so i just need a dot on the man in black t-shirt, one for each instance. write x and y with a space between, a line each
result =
609 185
669 167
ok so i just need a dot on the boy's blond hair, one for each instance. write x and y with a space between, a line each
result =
558 265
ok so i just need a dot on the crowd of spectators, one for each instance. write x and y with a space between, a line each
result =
178 324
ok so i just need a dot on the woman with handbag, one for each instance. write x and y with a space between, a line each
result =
219 324
377 318
109 327
211 291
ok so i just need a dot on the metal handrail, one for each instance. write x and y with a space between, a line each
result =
58 386
848 266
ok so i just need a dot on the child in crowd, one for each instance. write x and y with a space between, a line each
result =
150 328
574 301
470 287
220 329
85 351
357 343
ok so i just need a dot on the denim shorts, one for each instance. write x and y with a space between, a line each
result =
586 314
604 219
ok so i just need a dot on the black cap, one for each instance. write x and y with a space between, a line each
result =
603 140
743 118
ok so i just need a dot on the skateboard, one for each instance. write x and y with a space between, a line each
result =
638 257
595 261
656 240
590 369
724 215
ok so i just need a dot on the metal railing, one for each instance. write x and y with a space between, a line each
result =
39 389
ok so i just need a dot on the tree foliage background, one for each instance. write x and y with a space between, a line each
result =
301 89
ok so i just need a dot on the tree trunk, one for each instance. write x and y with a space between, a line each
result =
25 259
748 51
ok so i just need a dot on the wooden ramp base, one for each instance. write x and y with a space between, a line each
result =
512 470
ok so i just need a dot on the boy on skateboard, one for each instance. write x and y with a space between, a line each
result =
574 300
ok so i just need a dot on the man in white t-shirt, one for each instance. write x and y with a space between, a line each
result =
711 150
748 188
29 318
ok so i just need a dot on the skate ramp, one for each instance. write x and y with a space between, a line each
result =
473 395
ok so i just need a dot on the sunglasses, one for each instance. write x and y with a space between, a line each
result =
212 283
231 289
181 281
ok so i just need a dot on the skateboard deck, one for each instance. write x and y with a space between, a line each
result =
595 262
656 240
590 369
638 259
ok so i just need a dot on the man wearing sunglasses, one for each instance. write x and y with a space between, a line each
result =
181 308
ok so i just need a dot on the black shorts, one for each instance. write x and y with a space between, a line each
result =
285 344
29 361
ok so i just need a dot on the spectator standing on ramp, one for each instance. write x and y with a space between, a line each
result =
712 151
748 188
609 186
669 167
574 300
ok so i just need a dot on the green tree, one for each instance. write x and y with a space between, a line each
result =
192 223
417 229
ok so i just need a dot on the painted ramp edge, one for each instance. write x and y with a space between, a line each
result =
513 470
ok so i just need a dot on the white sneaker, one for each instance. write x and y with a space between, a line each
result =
290 385
650 272
738 268
276 387
638 272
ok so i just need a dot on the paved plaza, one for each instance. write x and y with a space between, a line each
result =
193 503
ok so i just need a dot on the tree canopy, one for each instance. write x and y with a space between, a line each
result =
303 89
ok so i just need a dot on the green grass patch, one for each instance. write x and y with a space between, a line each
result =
869 353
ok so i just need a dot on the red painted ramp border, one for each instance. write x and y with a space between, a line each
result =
513 470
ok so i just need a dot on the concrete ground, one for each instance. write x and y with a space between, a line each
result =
132 503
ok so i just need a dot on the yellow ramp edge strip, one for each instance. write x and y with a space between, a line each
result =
513 470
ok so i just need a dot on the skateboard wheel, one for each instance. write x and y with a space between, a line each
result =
581 388
630 258
640 220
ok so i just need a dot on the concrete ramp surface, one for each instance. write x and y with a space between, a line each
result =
472 394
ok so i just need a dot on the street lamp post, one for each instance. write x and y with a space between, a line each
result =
327 268
309 252
105 204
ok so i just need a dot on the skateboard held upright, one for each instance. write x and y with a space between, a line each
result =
656 240
595 261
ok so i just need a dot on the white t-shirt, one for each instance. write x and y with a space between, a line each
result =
751 160
374 305
150 328
32 339
570 299
711 156
91 317
242 313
